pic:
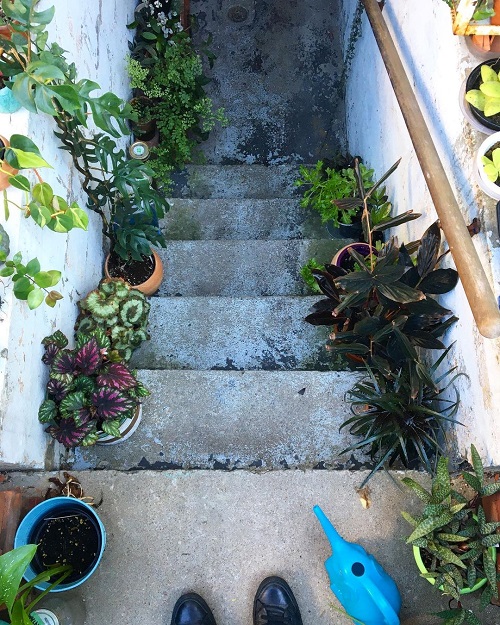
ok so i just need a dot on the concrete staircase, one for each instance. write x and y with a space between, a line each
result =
237 378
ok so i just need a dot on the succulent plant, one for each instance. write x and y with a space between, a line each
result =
487 97
88 392
120 311
453 534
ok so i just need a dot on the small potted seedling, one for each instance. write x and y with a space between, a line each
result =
487 168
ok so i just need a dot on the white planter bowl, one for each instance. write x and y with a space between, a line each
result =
127 428
490 188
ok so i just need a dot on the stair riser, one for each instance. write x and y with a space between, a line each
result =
237 181
194 219
241 268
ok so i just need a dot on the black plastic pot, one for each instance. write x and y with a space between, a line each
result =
346 231
473 82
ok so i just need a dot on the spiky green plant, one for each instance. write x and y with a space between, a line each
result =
453 535
118 310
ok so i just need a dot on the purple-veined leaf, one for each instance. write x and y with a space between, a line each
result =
68 433
117 375
51 351
57 389
59 338
63 367
88 358
110 403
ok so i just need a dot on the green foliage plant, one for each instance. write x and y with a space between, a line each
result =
47 209
323 185
120 311
487 97
492 165
401 414
454 537
307 275
165 67
13 593
119 190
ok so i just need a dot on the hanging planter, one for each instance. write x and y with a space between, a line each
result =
478 102
68 531
8 103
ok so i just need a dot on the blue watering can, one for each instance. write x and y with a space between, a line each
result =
367 593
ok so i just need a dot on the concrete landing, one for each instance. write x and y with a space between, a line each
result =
221 533
277 74
234 420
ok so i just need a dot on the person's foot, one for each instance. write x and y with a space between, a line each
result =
274 604
191 609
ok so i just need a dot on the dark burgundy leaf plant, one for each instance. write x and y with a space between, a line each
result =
87 393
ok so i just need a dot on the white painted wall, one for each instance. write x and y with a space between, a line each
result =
437 63
94 34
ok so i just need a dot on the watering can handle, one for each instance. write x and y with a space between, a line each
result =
390 616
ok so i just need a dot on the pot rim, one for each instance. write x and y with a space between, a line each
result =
490 188
422 568
34 515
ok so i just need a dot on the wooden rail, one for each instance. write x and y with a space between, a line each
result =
475 283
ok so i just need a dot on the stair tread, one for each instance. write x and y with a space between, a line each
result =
237 181
233 419
234 333
241 268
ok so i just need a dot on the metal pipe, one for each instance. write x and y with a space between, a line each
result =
475 283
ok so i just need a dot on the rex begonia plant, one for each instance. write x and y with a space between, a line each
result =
88 392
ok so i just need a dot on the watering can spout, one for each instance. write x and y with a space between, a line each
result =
331 533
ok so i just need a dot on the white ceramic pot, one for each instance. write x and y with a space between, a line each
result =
490 188
127 428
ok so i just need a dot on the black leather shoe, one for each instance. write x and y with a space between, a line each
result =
191 609
274 604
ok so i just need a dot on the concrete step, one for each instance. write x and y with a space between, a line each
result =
279 218
233 334
220 533
236 181
241 268
234 420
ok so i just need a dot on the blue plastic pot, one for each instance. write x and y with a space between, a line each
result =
8 103
38 515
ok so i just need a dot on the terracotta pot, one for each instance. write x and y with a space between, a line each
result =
152 284
491 505
7 169
127 428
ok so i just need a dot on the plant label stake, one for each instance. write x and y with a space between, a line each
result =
368 594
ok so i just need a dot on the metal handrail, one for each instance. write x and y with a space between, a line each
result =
477 288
